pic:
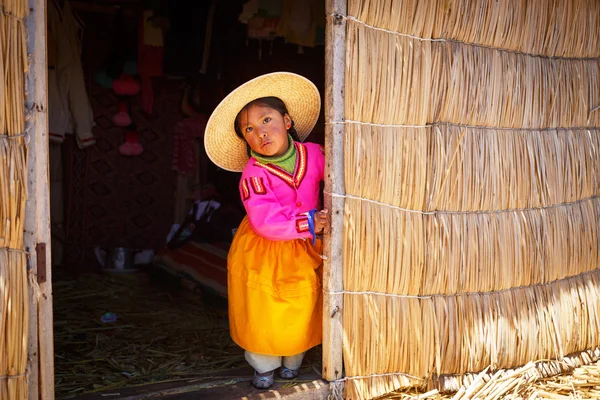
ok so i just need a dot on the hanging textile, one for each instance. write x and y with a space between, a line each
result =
69 109
150 57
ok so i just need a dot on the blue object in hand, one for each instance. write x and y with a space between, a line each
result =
311 224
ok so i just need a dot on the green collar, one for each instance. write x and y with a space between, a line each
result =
286 161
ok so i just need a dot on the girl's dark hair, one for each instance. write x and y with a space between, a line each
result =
273 102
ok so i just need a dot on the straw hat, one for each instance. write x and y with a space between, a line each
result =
300 96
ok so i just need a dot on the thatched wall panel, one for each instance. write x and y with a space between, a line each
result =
450 335
14 324
389 250
414 82
472 184
549 28
13 192
14 294
453 168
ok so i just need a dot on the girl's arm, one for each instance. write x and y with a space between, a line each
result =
267 216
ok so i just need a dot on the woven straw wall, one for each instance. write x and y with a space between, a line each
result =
472 177
13 193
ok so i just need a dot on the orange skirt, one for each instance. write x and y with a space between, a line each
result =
274 293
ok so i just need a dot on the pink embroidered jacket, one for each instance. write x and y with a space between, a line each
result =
276 201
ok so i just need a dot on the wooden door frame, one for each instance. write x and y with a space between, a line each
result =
335 70
40 363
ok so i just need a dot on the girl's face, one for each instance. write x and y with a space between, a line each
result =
265 130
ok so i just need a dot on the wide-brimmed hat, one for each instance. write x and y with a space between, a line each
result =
301 97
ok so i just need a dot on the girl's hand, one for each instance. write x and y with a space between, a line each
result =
322 222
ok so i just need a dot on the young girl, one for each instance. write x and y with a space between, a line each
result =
273 282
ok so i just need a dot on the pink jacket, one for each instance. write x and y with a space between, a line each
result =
277 203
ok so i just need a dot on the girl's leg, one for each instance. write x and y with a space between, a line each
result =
264 366
291 366
293 362
263 363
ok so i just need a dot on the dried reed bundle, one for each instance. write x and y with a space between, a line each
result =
388 250
452 334
394 79
400 176
384 70
13 65
13 192
454 168
531 376
549 28
378 386
14 300
531 381
487 169
14 322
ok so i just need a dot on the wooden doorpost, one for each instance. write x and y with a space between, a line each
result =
335 65
37 210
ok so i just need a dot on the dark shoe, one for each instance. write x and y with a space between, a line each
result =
263 381
287 373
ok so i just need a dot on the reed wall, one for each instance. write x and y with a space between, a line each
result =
14 300
472 177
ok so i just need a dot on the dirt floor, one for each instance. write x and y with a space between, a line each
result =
162 334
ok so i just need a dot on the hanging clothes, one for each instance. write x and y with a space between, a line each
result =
302 22
185 159
262 18
150 57
69 109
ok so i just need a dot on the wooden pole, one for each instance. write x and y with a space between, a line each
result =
335 59
37 211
